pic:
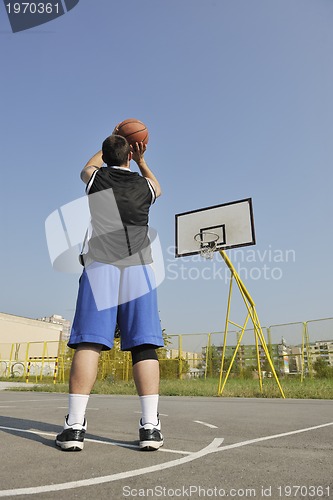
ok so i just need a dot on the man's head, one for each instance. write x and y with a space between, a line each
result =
116 151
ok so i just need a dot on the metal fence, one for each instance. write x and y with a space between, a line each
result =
294 349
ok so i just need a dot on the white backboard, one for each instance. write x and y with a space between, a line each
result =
232 222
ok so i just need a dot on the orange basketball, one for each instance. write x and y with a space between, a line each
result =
133 130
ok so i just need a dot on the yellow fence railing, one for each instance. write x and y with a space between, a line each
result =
294 349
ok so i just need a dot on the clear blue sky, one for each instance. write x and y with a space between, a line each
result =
237 96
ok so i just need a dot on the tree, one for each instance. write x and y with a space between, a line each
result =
322 369
171 368
213 361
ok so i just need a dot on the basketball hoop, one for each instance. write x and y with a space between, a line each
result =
208 243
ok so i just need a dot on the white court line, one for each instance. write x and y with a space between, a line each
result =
99 441
135 446
211 448
1 406
211 426
160 414
114 477
66 408
274 436
34 400
27 431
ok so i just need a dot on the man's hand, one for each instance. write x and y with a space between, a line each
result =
115 130
138 150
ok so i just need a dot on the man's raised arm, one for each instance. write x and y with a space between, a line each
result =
93 164
138 151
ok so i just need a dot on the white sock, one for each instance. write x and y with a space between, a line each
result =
149 406
77 408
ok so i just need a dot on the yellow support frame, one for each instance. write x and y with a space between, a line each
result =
180 354
259 336
208 346
306 348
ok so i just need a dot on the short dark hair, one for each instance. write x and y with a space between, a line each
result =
115 150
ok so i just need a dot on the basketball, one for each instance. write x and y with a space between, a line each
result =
133 130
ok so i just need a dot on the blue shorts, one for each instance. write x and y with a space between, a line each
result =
109 295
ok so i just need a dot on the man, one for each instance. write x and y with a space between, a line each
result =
116 287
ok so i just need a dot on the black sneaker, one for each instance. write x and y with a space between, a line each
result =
151 438
72 437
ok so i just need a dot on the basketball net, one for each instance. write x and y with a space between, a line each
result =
208 243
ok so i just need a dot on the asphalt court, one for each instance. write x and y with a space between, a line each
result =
214 448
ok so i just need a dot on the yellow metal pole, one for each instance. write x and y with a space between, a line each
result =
61 355
102 358
180 354
55 373
234 356
10 359
26 357
303 350
27 372
208 347
309 354
269 341
127 365
258 360
43 361
25 361
257 326
264 345
240 356
250 305
236 275
225 335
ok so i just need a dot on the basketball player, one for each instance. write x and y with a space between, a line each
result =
116 287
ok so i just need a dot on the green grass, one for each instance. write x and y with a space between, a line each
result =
293 388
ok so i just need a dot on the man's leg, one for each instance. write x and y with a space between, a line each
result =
84 368
141 333
82 378
93 327
146 375
81 381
